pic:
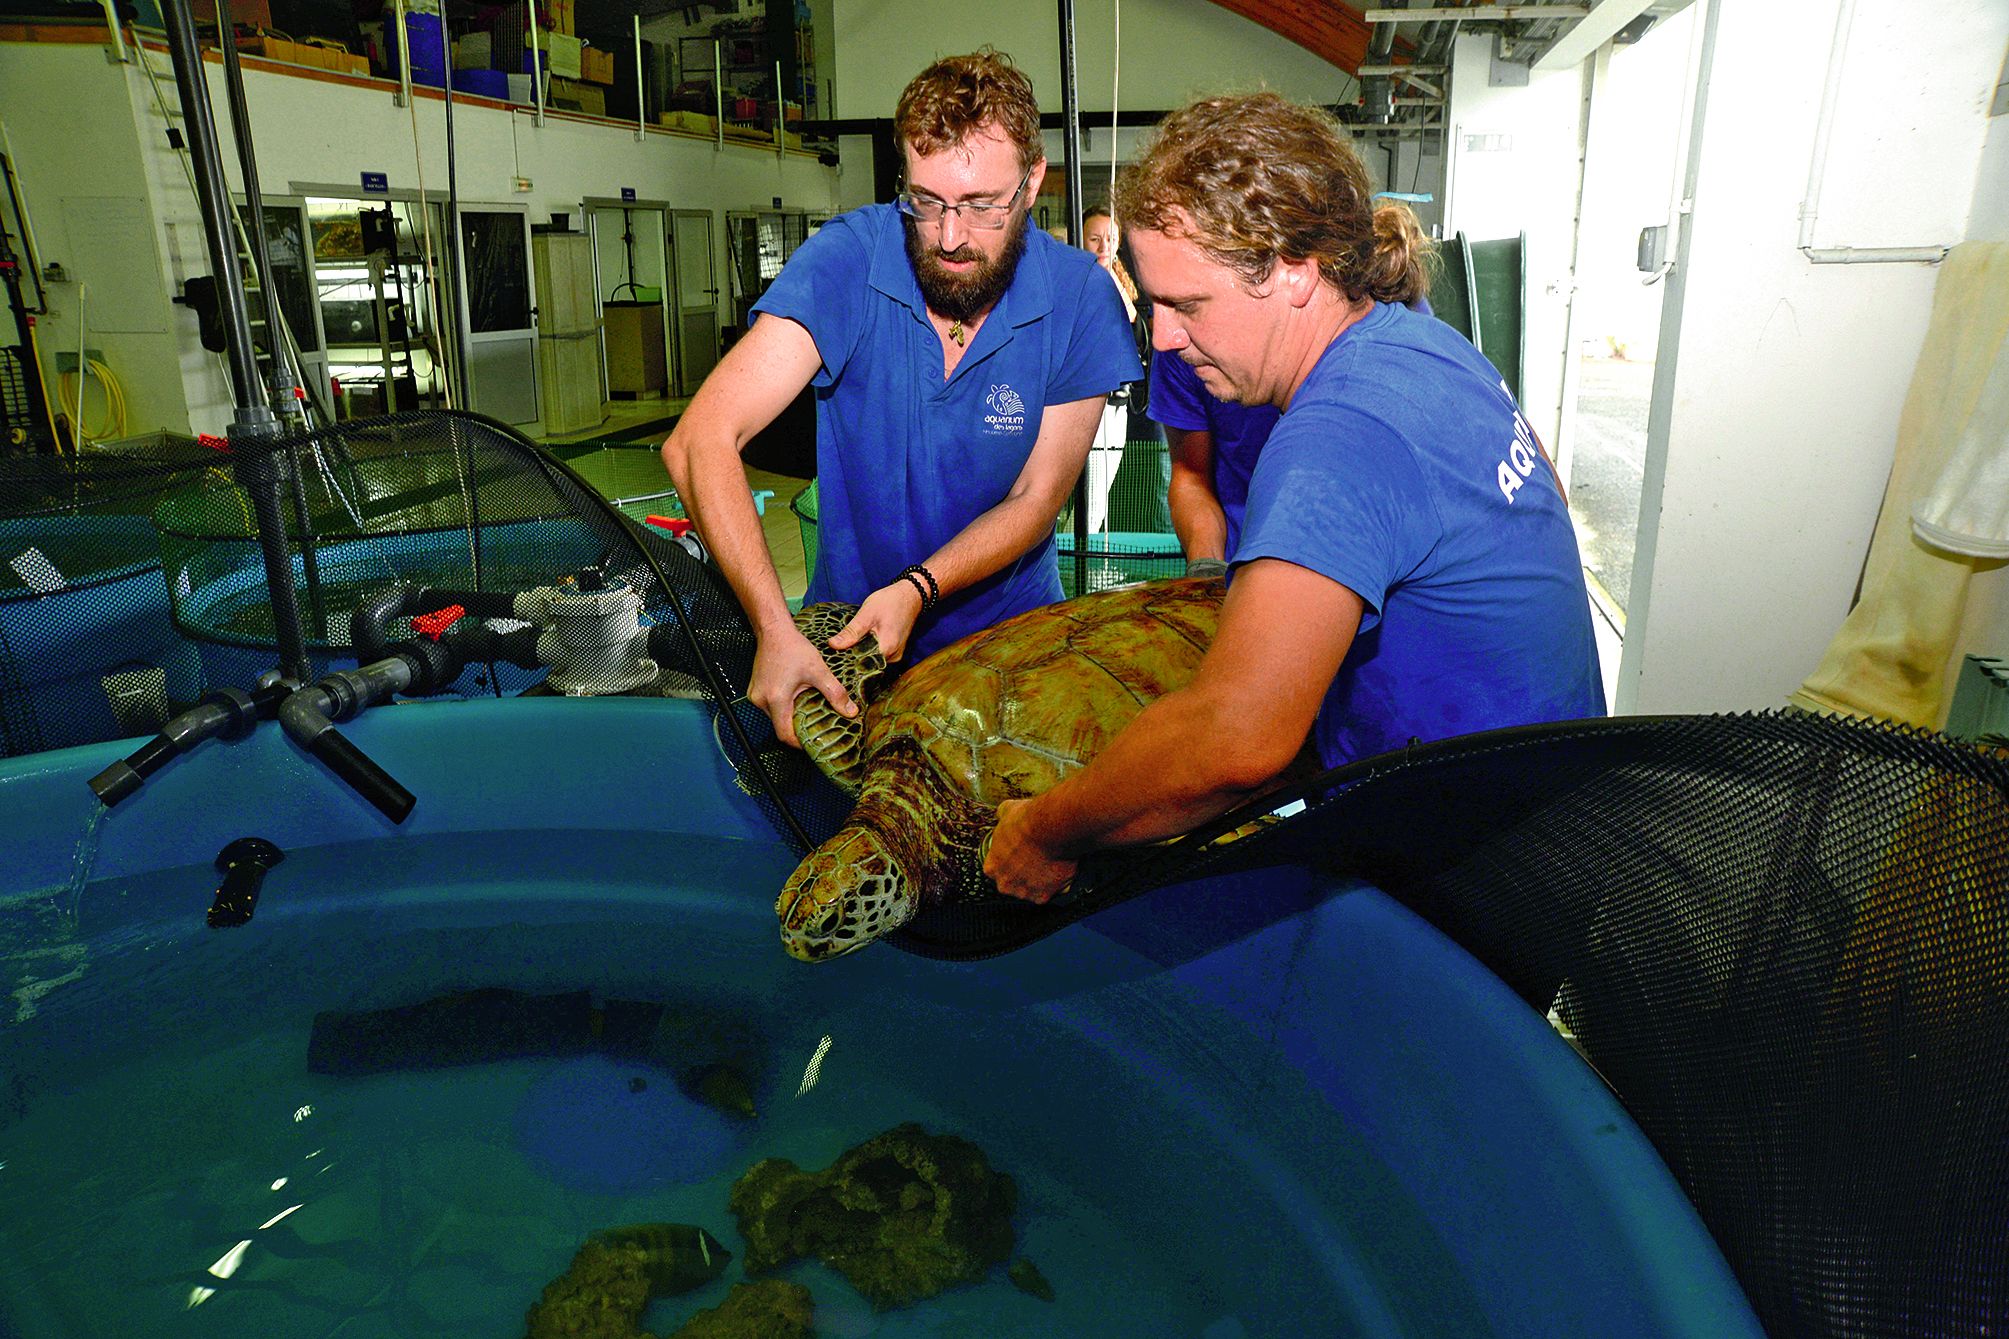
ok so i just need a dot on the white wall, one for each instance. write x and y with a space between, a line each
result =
1514 168
318 133
1780 380
77 155
1172 51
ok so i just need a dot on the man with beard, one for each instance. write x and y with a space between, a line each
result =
961 360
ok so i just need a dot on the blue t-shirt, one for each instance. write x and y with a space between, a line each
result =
905 460
1178 400
1403 471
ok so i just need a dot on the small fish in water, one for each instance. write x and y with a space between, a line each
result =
1025 1276
815 1070
638 1084
722 1087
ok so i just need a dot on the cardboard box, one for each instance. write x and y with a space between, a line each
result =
476 51
324 53
271 48
573 95
564 52
596 67
694 123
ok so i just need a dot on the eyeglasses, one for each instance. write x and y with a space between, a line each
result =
927 209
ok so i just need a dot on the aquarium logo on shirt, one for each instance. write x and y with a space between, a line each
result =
1007 410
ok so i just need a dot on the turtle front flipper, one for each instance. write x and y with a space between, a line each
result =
835 742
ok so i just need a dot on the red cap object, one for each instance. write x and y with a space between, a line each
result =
212 441
676 525
434 624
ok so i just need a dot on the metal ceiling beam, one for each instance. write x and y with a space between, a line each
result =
1590 33
1477 13
1404 70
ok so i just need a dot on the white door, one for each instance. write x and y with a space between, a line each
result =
499 306
696 283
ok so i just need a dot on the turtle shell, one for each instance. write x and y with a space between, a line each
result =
1010 711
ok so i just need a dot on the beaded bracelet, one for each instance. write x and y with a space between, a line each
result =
917 574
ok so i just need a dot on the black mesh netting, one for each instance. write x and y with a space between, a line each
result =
132 581
1782 939
1784 942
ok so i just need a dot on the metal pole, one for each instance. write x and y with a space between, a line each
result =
536 61
287 394
718 93
456 268
641 88
255 425
1070 141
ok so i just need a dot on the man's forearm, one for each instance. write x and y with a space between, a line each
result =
991 542
1178 765
1197 519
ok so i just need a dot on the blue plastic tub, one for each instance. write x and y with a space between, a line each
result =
1280 1108
102 607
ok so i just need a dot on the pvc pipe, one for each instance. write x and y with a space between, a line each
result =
536 62
641 90
718 93
1070 141
119 52
1874 255
83 375
1817 169
404 58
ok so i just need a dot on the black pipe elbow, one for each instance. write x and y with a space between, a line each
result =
309 715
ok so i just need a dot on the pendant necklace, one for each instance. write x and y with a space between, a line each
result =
956 333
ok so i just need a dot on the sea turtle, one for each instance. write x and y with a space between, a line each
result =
1001 714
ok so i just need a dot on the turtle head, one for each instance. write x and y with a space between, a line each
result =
845 894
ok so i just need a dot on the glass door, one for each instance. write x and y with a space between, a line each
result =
287 241
376 303
695 273
500 310
1633 170
629 245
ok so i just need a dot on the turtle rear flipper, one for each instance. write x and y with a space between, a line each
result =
834 741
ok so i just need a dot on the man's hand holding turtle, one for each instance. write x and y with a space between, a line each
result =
784 667
1016 861
888 614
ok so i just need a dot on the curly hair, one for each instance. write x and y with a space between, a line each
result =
1253 179
958 96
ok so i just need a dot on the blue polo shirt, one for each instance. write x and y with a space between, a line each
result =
1178 400
1403 471
905 460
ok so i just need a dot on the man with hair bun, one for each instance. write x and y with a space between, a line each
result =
1406 568
961 360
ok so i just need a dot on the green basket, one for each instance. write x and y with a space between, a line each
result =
803 504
